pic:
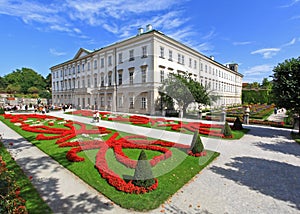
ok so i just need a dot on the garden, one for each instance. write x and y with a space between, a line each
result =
204 129
133 171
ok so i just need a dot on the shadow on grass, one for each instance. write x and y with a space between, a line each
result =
276 179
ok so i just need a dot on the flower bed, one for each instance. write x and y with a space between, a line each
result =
179 126
117 143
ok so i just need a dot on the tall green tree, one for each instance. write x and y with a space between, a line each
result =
184 90
26 78
286 81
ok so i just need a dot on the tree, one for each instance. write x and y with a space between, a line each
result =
286 81
184 90
143 174
33 90
13 88
26 78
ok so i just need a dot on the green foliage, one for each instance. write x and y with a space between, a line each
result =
227 130
45 94
33 90
20 81
286 81
2 111
143 173
237 125
184 90
257 96
197 145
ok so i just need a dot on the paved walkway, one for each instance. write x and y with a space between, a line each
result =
257 174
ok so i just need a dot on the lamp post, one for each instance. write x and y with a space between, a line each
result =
246 115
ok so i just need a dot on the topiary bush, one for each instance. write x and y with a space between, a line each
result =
2 111
226 131
143 176
237 125
197 145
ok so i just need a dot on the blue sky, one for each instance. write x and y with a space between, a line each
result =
256 34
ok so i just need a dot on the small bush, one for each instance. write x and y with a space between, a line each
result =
226 131
2 111
197 145
237 125
143 176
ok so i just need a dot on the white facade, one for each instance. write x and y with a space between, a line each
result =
125 76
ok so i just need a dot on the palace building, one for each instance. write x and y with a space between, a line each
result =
125 76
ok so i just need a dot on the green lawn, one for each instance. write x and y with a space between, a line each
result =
178 170
33 200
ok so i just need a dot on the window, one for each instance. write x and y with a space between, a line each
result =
102 101
78 84
95 64
162 75
109 101
170 55
89 82
201 67
131 77
70 71
206 68
120 78
195 64
78 68
120 103
83 84
131 55
95 81
66 72
190 62
89 66
179 58
182 59
120 58
82 67
102 80
144 51
102 63
143 74
144 103
109 61
162 52
109 79
131 102
73 69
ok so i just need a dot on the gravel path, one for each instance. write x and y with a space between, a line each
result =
257 174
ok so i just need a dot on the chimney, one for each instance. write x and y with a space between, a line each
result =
212 57
148 27
140 31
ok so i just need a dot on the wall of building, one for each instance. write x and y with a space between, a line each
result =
125 76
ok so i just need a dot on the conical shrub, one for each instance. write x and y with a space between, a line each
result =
227 130
237 125
143 176
197 145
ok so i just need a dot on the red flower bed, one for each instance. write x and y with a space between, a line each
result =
115 142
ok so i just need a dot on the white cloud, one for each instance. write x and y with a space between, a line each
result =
267 53
292 42
291 4
242 43
56 53
257 73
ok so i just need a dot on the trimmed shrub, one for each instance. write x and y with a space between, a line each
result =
143 176
197 145
226 131
237 125
2 111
